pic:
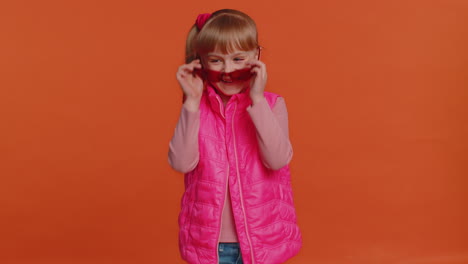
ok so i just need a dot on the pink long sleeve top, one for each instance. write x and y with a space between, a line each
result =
273 141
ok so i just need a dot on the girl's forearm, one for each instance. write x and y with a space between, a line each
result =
183 149
272 133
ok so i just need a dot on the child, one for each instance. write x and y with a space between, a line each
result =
232 143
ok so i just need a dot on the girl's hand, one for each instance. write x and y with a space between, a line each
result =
258 81
191 84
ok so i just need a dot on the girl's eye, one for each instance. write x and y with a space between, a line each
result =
239 59
214 60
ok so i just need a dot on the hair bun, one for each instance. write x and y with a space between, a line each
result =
201 20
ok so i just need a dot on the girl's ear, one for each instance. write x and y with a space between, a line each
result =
201 61
257 53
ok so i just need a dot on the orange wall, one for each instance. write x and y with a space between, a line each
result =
377 96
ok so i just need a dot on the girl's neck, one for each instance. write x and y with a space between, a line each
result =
224 98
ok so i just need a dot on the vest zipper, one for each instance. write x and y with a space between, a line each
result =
221 110
222 211
240 187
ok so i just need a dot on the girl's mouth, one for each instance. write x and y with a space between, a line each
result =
226 79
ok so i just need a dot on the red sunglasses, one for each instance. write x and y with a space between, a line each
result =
235 76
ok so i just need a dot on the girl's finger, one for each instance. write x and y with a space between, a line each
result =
256 63
255 70
190 66
195 64
258 70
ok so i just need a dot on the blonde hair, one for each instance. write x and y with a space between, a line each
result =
226 30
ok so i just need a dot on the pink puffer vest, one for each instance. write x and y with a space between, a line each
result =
262 200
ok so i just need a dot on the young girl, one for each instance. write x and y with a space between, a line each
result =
232 143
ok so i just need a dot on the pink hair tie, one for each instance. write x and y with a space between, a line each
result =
201 20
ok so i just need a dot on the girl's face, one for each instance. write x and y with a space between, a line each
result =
227 63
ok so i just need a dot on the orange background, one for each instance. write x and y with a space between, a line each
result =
377 97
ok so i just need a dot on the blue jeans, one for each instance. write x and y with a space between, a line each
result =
229 253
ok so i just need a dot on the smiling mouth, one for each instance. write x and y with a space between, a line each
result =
227 81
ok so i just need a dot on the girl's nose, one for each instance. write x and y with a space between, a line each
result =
228 67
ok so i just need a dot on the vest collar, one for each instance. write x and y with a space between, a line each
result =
242 99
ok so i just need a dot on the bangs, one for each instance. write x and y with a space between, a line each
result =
227 33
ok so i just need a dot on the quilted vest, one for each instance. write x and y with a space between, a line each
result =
262 199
